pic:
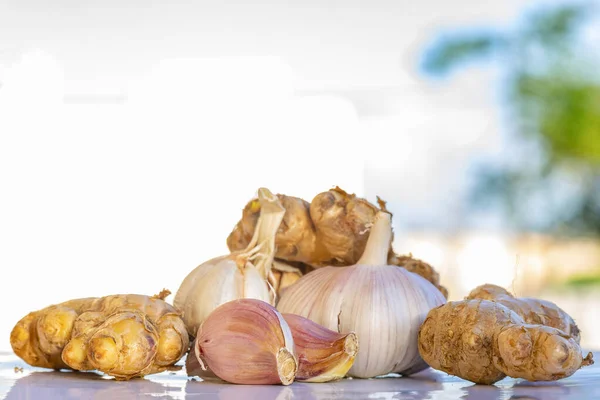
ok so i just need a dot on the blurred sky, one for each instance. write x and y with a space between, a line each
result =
133 132
419 134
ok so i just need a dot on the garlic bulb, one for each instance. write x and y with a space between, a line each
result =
323 355
248 342
385 305
242 274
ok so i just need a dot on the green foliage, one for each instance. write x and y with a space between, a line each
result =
451 51
558 25
569 116
553 99
580 281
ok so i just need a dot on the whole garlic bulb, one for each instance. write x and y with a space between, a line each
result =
241 274
384 305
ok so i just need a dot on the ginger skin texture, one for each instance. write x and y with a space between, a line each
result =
331 230
419 267
328 231
483 341
126 336
533 311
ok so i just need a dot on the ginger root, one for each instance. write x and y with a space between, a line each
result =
419 267
331 230
483 341
342 222
533 311
296 237
125 336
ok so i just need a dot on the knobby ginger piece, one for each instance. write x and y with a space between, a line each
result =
419 267
125 336
533 311
296 236
483 341
342 223
331 230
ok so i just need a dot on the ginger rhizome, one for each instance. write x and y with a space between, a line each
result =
125 336
331 230
533 311
419 267
327 231
483 341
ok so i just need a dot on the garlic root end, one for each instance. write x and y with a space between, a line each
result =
287 366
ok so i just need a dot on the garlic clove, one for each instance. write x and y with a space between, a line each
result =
323 355
282 276
193 367
247 341
214 283
242 274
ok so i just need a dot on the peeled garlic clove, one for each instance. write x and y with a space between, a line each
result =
247 341
323 355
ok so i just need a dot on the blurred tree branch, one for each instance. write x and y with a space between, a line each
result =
553 99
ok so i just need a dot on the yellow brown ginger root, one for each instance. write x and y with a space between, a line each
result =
483 341
125 336
419 267
331 230
533 311
342 223
296 237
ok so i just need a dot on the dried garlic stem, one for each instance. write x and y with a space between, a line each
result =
378 245
268 223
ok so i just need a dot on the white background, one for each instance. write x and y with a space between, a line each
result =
133 133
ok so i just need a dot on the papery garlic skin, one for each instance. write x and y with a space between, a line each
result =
214 283
323 355
193 367
243 274
248 342
384 305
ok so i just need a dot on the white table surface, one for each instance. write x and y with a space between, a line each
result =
37 383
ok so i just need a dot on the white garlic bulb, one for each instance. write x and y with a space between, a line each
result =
242 274
383 304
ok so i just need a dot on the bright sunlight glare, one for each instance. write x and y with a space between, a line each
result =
115 198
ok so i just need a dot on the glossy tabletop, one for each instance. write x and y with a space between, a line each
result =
36 383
